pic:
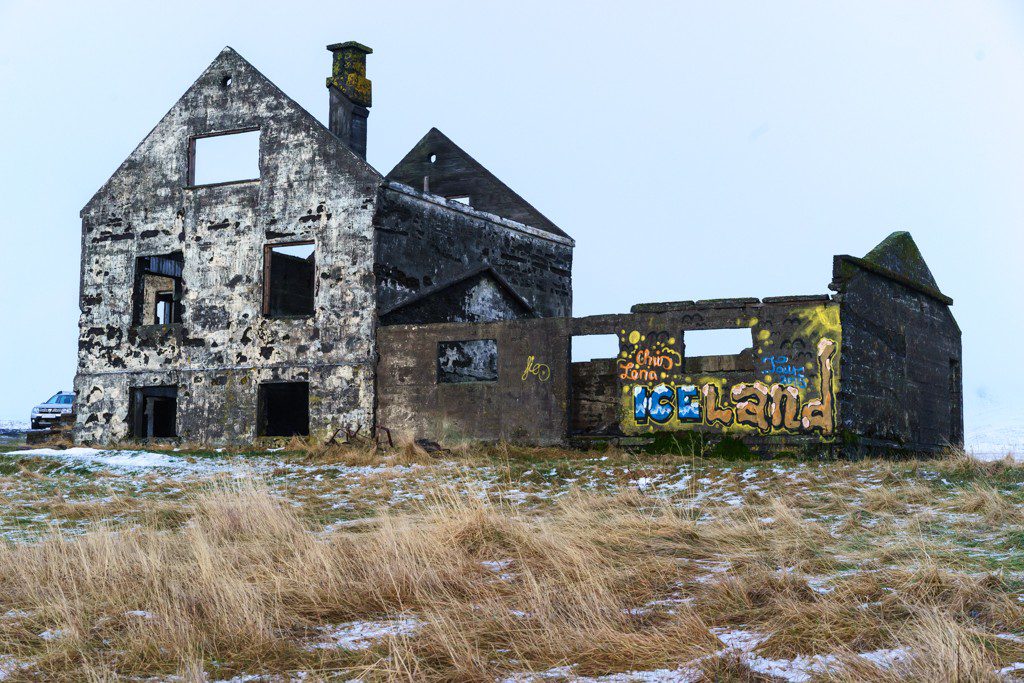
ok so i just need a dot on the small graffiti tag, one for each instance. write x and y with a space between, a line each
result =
784 372
644 362
539 370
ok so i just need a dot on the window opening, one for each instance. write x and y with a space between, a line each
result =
289 280
153 412
159 286
224 157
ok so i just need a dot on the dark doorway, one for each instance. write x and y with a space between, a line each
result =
154 412
284 409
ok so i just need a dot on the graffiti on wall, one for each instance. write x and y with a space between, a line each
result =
790 390
539 370
650 361
786 372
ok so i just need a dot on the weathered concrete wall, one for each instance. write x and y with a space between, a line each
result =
781 394
902 386
777 394
527 403
311 188
424 241
595 400
480 297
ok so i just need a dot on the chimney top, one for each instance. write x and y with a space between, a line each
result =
350 44
348 72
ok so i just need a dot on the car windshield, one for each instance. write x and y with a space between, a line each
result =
66 399
55 398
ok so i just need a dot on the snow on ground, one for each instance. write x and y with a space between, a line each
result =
342 494
360 635
738 642
118 459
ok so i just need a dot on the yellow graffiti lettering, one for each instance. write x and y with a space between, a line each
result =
713 410
819 413
751 403
539 370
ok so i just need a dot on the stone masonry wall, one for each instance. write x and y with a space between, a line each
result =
901 366
311 188
425 241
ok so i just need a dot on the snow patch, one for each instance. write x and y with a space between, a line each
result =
121 460
360 635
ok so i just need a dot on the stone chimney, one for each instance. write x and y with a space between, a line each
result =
350 94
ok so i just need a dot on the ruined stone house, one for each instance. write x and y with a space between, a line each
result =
316 295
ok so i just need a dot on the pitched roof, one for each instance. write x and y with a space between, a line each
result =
454 173
898 258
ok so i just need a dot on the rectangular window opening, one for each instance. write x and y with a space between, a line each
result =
289 280
224 158
153 412
158 290
474 360
718 350
588 347
283 409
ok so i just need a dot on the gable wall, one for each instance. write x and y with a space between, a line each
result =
311 188
439 166
423 244
897 347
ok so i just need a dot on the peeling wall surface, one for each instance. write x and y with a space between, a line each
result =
311 188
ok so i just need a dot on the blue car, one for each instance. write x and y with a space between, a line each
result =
49 414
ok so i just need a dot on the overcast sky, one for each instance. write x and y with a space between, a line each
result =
693 149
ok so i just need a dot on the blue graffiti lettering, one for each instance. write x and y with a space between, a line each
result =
689 403
661 401
783 371
661 407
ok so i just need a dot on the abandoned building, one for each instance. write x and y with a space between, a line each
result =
314 294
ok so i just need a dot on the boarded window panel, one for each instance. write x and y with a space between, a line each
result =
467 361
233 157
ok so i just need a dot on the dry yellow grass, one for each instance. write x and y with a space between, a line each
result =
236 577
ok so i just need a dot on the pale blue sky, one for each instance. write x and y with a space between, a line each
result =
693 149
